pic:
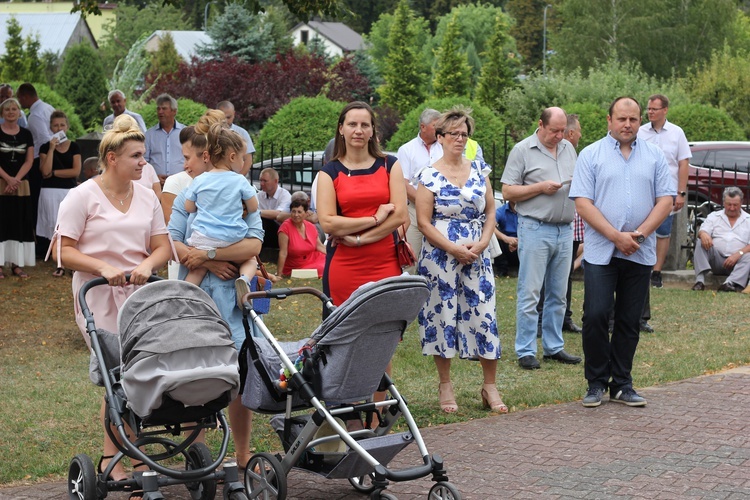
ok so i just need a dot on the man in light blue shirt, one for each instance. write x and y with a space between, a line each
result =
118 101
228 109
163 148
623 191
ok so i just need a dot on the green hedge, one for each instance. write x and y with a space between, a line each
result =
705 123
593 120
305 124
188 112
57 101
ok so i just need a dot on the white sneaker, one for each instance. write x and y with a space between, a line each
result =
242 287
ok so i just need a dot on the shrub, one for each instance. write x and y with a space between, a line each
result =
705 123
489 128
593 120
188 112
305 124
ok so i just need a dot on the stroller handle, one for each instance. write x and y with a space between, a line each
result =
282 293
97 282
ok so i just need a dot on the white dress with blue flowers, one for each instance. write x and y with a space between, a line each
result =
460 313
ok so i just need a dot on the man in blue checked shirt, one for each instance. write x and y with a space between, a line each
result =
623 191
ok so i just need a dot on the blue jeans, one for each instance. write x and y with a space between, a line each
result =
609 361
544 253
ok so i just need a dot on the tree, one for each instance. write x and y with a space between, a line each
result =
346 83
302 9
452 72
378 39
497 72
722 82
13 63
528 29
684 32
239 33
165 59
404 74
81 81
362 15
51 62
128 75
33 64
130 24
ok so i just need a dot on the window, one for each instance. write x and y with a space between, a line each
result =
304 36
729 159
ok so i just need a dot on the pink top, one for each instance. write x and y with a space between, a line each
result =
302 253
148 176
120 239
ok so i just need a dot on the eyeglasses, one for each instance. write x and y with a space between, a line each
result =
653 109
457 135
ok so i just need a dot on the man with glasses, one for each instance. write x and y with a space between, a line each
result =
537 178
671 140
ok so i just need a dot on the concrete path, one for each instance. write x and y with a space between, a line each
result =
692 440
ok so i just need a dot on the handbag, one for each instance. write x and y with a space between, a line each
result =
494 247
23 188
261 284
404 251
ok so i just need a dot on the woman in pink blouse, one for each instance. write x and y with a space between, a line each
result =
108 227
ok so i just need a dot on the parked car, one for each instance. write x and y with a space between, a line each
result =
714 166
296 173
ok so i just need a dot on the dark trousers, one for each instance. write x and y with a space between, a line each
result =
609 361
568 311
505 260
271 233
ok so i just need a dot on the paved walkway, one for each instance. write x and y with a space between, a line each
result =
691 441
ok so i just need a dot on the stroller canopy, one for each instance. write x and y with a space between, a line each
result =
174 345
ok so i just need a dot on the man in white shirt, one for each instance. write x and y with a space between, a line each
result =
724 245
38 124
415 155
273 203
228 109
117 101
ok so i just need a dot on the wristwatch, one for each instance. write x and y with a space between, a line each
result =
211 254
682 193
640 238
741 253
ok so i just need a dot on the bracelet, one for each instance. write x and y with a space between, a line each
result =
377 222
358 241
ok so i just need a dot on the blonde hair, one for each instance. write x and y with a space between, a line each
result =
8 102
453 118
209 118
221 141
124 129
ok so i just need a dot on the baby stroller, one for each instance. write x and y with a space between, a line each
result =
335 372
172 369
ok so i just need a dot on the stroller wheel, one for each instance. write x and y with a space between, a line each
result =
444 491
265 478
198 456
381 495
363 484
82 478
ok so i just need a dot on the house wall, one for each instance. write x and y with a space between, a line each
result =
331 48
96 23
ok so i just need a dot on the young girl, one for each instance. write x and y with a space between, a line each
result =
218 197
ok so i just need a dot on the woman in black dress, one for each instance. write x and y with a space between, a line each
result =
16 221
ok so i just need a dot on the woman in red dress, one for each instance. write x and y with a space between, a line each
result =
361 201
299 245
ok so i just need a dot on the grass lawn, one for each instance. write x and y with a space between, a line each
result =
49 409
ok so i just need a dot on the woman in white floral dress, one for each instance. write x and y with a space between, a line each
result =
455 213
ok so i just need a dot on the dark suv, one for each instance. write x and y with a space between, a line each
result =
296 173
714 166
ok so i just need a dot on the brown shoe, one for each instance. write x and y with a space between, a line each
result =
699 286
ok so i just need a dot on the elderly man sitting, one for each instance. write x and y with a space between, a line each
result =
725 242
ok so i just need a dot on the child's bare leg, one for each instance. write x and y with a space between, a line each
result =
249 268
196 276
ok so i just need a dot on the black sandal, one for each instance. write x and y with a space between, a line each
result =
59 272
18 271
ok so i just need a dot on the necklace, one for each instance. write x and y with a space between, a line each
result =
111 194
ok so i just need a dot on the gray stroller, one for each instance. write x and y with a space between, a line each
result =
334 373
171 371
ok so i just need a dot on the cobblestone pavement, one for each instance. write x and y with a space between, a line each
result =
692 440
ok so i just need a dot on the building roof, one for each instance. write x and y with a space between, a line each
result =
338 33
55 30
186 42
